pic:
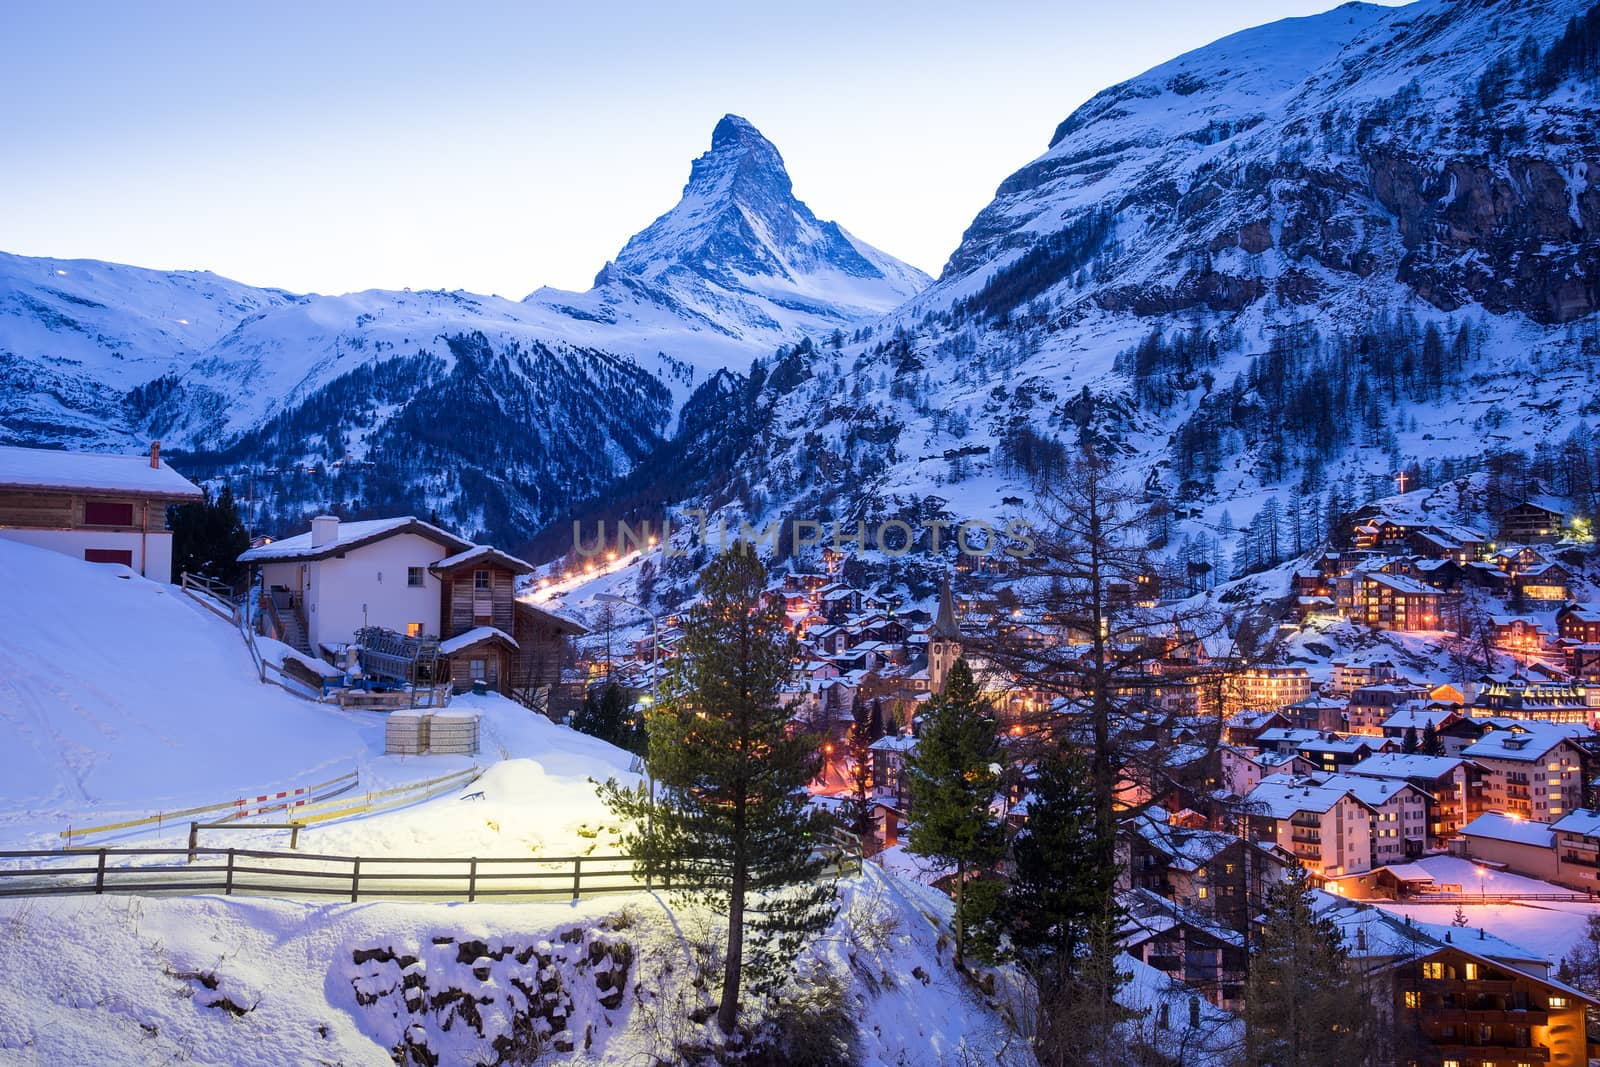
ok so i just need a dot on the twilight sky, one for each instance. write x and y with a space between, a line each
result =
497 147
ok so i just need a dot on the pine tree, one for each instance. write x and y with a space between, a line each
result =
1430 741
856 810
1303 1004
208 538
1408 744
732 829
604 714
951 779
1063 872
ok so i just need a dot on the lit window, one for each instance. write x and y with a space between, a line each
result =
1433 969
1204 893
414 577
1413 999
1558 1002
1472 972
413 629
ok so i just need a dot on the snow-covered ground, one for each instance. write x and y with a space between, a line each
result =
133 980
121 697
1549 928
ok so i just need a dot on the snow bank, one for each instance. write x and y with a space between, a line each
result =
120 697
258 983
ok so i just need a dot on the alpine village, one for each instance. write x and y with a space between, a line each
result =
1169 637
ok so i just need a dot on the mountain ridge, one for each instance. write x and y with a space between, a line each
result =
243 380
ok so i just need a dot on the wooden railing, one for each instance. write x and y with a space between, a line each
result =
196 869
238 871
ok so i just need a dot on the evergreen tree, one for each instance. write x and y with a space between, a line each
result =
1430 741
1408 744
1303 1004
1063 872
208 538
732 829
951 778
865 728
604 714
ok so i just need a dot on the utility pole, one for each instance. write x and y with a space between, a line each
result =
655 666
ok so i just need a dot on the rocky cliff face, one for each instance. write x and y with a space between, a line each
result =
1290 263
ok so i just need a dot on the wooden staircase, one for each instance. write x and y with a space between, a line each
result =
286 618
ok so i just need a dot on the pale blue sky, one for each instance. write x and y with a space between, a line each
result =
498 147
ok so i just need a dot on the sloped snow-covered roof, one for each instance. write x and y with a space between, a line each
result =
1499 827
474 636
1162 1008
350 535
1280 797
484 553
1188 849
1406 765
45 468
1585 821
1530 743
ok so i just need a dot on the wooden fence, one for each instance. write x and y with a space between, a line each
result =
256 872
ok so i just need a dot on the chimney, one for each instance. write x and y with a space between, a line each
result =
155 454
324 530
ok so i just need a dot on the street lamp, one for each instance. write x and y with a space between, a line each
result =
655 668
1483 893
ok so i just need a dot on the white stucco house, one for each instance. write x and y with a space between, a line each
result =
94 506
340 576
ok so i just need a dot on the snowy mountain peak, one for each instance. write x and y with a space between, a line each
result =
738 228
743 158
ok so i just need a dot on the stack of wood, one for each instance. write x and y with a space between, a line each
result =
406 733
453 733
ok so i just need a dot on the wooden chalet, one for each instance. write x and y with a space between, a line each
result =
94 507
1537 519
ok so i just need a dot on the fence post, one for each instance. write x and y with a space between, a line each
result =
227 889
472 880
577 877
194 839
355 879
100 874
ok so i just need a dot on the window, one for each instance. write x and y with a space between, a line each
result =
1557 1002
1472 972
480 581
1413 999
413 629
1204 893
479 669
123 556
107 513
1433 969
414 577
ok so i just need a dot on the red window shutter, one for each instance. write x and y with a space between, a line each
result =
123 556
107 513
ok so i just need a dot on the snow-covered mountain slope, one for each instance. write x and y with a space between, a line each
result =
1294 262
560 392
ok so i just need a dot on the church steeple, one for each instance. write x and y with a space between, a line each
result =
944 625
944 641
